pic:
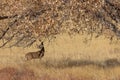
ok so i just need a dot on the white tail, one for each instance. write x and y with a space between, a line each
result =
36 55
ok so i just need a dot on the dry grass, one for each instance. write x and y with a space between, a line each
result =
65 59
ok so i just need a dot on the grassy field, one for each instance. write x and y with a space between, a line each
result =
66 58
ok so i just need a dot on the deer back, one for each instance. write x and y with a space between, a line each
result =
38 54
32 55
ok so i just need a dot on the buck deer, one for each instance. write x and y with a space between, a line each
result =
36 55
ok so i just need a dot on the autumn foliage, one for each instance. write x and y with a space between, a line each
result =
23 22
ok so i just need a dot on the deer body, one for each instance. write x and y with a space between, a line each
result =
36 55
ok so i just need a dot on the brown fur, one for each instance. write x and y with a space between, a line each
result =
36 55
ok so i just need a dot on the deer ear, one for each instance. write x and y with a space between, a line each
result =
41 43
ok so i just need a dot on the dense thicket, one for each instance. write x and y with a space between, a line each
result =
22 22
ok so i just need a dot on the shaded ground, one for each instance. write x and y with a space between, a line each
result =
68 63
10 73
83 71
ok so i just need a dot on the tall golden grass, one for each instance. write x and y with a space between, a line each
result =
66 58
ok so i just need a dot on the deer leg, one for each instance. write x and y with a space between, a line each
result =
42 55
